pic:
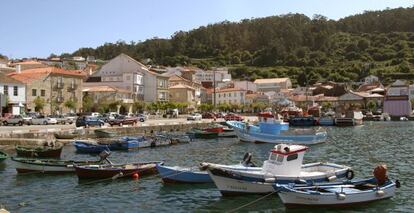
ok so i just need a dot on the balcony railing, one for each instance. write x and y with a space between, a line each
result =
72 86
59 85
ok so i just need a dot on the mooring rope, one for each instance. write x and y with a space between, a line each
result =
252 202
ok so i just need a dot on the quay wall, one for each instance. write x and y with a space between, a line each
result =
37 137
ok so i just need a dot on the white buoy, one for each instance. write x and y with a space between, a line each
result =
341 196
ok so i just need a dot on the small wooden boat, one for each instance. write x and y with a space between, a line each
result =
102 133
31 165
91 147
326 121
39 151
177 137
128 143
3 156
340 194
182 175
66 135
198 133
115 170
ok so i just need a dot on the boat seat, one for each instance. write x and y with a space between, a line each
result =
345 190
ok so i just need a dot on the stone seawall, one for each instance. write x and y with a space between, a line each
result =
29 137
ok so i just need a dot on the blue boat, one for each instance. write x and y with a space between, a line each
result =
88 147
182 175
302 121
128 143
327 121
271 130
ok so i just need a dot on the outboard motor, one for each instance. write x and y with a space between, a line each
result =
247 160
380 174
104 155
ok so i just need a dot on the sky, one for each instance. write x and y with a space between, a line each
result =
37 28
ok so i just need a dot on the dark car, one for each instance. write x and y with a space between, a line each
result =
122 120
208 115
88 121
233 117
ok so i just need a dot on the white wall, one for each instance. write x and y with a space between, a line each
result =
21 93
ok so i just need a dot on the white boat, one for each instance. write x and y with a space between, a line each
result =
283 166
339 195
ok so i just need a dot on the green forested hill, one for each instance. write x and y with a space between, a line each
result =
375 42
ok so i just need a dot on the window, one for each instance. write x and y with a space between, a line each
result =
219 95
273 157
43 93
224 95
128 78
230 94
280 158
292 157
34 92
241 94
6 90
15 91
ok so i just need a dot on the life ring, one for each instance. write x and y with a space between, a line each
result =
349 174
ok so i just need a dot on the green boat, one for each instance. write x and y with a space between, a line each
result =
198 133
102 133
3 156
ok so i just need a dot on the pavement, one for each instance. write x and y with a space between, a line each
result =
59 127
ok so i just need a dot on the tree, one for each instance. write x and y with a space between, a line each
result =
205 107
139 106
371 105
70 104
87 103
39 103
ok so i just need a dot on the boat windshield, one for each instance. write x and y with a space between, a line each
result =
276 158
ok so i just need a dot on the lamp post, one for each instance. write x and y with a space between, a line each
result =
214 88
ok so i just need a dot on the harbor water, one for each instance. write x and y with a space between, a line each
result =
361 147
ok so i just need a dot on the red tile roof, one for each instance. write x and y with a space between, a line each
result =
27 76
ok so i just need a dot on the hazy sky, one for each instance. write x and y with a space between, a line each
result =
36 28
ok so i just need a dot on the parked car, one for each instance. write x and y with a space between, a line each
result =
233 117
39 120
208 115
122 119
71 116
142 117
62 119
194 117
220 115
95 114
14 120
108 116
88 121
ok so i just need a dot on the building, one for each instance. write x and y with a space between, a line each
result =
397 100
230 96
371 79
28 64
127 73
272 84
54 85
13 95
100 94
359 100
182 93
246 85
207 77
180 80
330 88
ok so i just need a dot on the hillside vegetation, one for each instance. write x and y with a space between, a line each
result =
292 45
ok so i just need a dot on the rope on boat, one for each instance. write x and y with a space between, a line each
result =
252 202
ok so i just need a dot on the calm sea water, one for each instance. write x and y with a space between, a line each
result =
361 147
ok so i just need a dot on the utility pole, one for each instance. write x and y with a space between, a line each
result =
214 88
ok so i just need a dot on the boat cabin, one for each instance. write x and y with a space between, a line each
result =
271 124
285 160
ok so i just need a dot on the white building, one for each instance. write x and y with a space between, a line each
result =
230 96
13 93
272 84
221 75
246 85
371 79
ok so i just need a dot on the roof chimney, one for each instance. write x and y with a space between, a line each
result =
18 68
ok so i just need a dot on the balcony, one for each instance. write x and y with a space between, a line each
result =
59 85
59 99
72 86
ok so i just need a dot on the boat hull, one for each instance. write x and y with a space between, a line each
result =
3 156
182 175
104 134
65 136
98 173
38 152
253 182
295 199
55 167
84 147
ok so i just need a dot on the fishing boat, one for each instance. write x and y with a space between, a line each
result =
177 137
128 143
223 131
3 156
326 121
115 170
31 165
177 174
302 121
351 118
283 166
198 133
66 135
91 147
271 130
53 151
102 133
338 195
